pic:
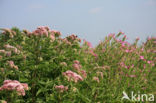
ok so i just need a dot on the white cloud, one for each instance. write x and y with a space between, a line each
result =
95 10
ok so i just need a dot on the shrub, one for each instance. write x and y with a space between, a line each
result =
61 70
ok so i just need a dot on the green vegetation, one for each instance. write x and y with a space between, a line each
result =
60 70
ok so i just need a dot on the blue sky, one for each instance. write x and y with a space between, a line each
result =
89 19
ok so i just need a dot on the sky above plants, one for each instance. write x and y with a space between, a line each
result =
89 19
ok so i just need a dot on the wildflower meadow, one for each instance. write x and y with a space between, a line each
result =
42 67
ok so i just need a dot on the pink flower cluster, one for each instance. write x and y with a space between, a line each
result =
148 61
88 43
55 33
123 43
76 62
100 73
78 67
121 32
94 54
131 76
72 76
96 79
7 53
83 73
130 49
12 65
11 32
122 64
61 88
137 38
15 50
111 35
42 30
9 46
63 64
151 38
2 51
14 85
142 57
72 37
65 40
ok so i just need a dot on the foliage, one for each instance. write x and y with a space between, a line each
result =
63 71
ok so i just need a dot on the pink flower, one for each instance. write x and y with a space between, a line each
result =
153 64
77 67
96 79
12 65
16 51
149 38
137 38
92 52
154 51
142 57
126 66
61 88
1 57
47 28
132 76
8 53
9 46
125 37
55 33
52 37
72 76
142 49
111 35
42 30
84 74
121 32
89 44
100 73
127 51
16 67
63 64
14 85
132 65
76 62
122 64
149 62
2 51
122 44
25 86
